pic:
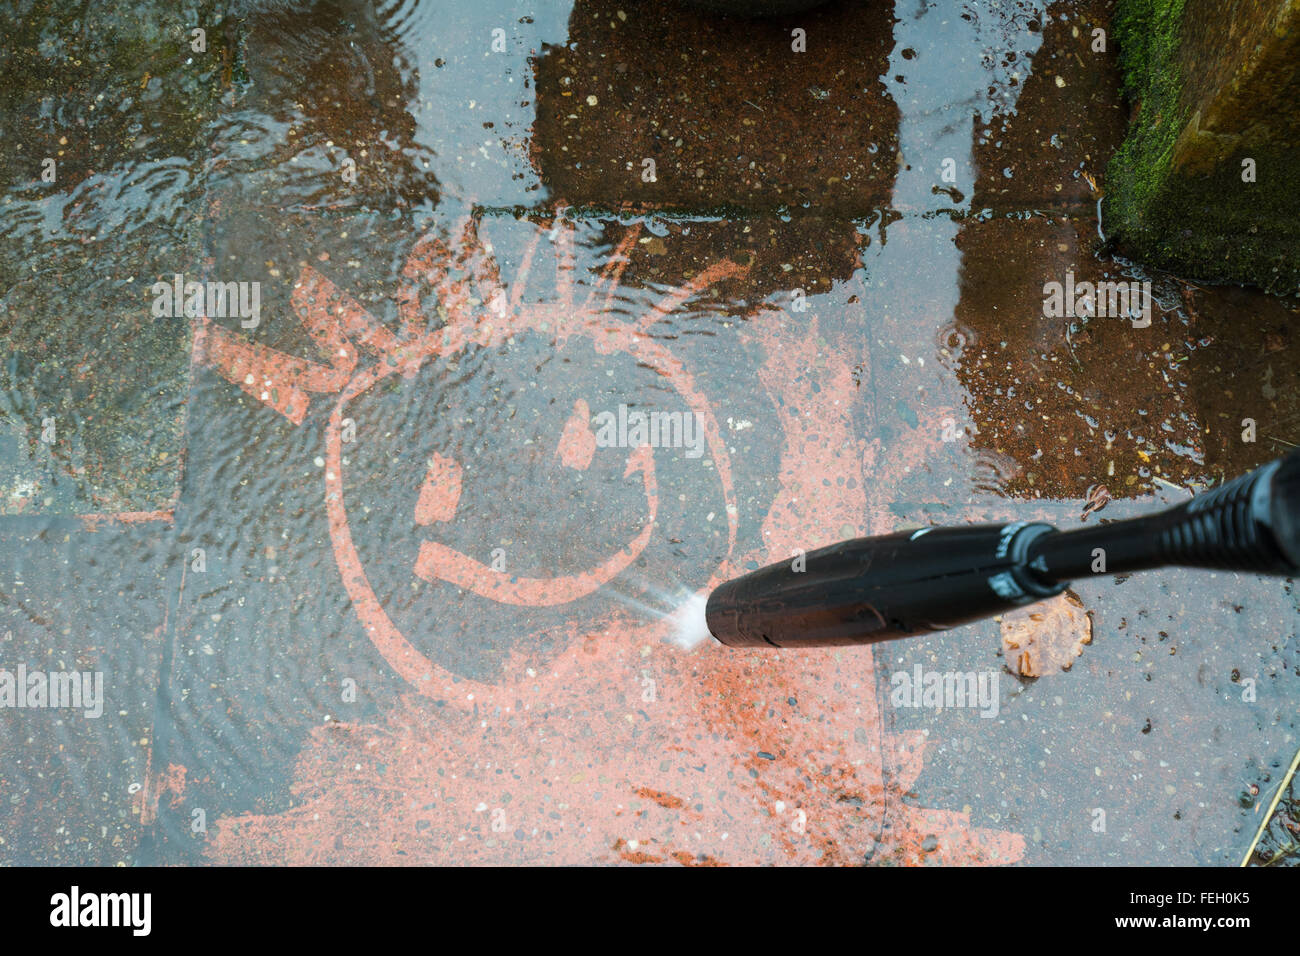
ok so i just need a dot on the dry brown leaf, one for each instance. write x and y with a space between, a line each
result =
1045 638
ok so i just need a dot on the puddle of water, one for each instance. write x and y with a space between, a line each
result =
415 543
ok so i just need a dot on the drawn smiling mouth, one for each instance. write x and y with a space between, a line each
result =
436 561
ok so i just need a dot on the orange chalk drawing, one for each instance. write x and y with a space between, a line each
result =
621 748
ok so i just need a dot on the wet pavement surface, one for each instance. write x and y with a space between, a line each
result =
366 584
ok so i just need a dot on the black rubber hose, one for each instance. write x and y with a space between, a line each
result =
1251 524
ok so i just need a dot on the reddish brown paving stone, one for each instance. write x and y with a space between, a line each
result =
1070 402
722 112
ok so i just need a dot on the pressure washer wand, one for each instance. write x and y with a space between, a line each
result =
911 582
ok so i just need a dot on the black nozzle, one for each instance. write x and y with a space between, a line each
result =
896 585
873 589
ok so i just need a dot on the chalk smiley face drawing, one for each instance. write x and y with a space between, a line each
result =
423 467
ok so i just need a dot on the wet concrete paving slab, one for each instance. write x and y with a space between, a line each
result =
84 613
1152 747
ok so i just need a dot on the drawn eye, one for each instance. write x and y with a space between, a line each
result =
440 492
577 441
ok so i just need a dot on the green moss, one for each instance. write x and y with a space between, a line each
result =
1148 34
1198 224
